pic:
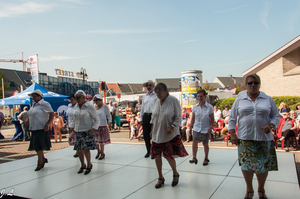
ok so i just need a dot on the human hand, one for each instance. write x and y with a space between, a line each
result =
266 129
209 130
151 134
92 131
46 127
234 139
170 130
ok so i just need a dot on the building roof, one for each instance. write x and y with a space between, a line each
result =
172 83
17 77
114 86
230 81
137 88
125 88
287 48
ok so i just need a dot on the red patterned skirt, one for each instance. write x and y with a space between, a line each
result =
102 135
172 149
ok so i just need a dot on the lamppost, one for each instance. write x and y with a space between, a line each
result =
83 73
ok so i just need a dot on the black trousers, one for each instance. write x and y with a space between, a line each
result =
287 134
147 130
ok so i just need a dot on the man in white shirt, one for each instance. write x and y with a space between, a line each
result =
112 109
146 112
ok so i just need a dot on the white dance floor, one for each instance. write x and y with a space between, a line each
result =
125 173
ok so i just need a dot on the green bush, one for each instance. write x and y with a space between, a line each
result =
291 101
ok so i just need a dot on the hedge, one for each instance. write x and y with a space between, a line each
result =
291 101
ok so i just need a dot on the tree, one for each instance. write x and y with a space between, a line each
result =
211 88
206 85
5 83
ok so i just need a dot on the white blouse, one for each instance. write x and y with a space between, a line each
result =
253 116
163 116
202 119
70 113
85 118
39 115
104 114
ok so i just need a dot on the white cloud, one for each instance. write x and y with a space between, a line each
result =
59 57
265 13
120 31
13 10
190 41
231 9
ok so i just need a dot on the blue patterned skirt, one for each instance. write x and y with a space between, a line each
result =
257 156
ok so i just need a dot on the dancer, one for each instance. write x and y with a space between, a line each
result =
102 134
146 112
70 114
39 124
257 114
85 122
166 120
202 122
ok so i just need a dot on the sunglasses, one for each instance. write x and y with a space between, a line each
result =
77 98
96 100
149 85
251 83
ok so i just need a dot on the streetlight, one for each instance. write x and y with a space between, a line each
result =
83 73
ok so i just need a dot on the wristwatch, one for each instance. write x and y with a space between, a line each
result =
172 125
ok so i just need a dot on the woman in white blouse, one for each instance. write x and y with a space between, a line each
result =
70 113
102 134
39 124
257 114
85 122
166 120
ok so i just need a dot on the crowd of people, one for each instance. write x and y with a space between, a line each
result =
252 123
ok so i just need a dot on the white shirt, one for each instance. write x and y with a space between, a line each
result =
147 103
104 113
226 112
39 115
163 116
202 119
85 118
70 113
253 116
111 108
216 115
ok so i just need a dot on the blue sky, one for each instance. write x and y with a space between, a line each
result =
136 40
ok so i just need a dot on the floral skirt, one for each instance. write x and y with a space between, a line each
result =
172 149
84 141
72 138
102 135
257 156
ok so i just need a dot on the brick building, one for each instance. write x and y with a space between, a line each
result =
280 71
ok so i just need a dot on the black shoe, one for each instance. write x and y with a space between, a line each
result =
81 169
88 170
205 163
194 160
147 155
39 167
152 158
159 185
102 157
173 182
263 195
248 197
97 156
75 155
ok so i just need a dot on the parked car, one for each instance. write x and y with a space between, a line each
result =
123 105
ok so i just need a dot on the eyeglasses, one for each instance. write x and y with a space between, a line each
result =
149 85
96 100
251 83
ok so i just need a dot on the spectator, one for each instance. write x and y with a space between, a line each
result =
217 114
57 125
117 116
18 111
295 117
224 131
226 111
286 129
112 110
283 108
23 117
1 124
138 106
298 110
133 125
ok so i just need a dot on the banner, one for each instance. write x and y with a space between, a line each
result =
34 68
